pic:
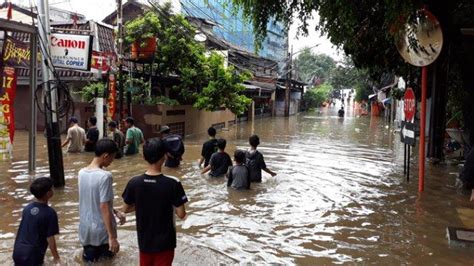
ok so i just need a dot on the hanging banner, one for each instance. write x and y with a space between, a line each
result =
101 61
7 118
15 53
71 51
111 101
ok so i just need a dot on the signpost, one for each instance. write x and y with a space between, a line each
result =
407 131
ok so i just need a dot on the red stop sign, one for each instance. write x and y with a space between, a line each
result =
409 106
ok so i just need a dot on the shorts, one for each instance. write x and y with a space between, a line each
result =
95 253
162 258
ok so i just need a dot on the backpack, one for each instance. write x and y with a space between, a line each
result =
175 146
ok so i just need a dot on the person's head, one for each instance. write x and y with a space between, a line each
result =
42 188
112 126
129 122
211 132
239 156
154 151
105 150
254 141
92 121
165 130
221 143
73 121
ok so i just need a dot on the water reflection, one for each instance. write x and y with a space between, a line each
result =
339 196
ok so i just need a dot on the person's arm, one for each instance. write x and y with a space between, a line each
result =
180 212
128 137
106 197
229 176
472 195
105 210
54 249
68 139
201 161
269 171
264 167
126 208
142 139
206 169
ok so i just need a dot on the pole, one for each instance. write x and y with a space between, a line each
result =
33 79
421 162
120 57
408 163
404 159
55 155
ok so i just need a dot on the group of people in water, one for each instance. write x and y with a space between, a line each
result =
154 197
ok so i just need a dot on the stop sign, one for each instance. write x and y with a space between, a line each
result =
409 106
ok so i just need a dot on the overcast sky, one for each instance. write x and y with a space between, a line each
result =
98 9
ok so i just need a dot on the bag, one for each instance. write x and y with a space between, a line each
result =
174 146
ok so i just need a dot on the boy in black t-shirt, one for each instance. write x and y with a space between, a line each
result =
220 161
255 161
38 226
92 135
155 198
209 147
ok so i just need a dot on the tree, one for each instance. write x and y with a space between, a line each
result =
312 67
316 96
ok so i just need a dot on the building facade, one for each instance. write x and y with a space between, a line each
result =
235 29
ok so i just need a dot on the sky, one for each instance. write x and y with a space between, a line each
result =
98 9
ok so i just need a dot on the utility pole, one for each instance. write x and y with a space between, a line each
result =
53 134
120 78
288 82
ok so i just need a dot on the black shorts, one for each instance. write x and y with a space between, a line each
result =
96 253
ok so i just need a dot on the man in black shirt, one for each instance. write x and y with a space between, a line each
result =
220 161
255 161
155 198
209 147
92 135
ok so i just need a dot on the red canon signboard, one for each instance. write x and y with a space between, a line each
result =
409 107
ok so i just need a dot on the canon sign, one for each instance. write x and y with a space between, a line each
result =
68 43
71 51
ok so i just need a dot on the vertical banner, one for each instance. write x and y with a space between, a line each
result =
7 119
112 97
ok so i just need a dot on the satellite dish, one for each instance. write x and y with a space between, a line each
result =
421 41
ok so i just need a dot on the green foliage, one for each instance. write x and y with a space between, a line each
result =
362 92
224 88
142 29
310 65
203 81
87 93
316 96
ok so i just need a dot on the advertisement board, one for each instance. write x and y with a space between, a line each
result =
71 51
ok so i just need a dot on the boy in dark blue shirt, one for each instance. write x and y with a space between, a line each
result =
38 226
220 161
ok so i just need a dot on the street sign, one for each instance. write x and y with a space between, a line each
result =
409 104
407 133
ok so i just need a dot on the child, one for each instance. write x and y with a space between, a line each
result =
97 226
220 161
255 161
209 147
38 226
156 199
92 135
238 176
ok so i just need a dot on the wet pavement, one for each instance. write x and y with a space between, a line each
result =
339 197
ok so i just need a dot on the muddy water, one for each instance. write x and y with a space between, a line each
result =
339 197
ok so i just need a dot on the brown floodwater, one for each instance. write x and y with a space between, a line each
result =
339 197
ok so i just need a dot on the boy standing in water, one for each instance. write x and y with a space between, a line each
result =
133 138
92 134
220 161
97 226
155 199
238 176
38 226
209 147
255 161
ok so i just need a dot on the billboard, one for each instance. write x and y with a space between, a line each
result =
71 51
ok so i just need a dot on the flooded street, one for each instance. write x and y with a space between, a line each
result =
339 197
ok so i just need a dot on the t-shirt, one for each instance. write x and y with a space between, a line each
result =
220 162
95 187
77 138
38 222
255 163
175 147
208 148
155 198
135 135
119 139
92 137
238 177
